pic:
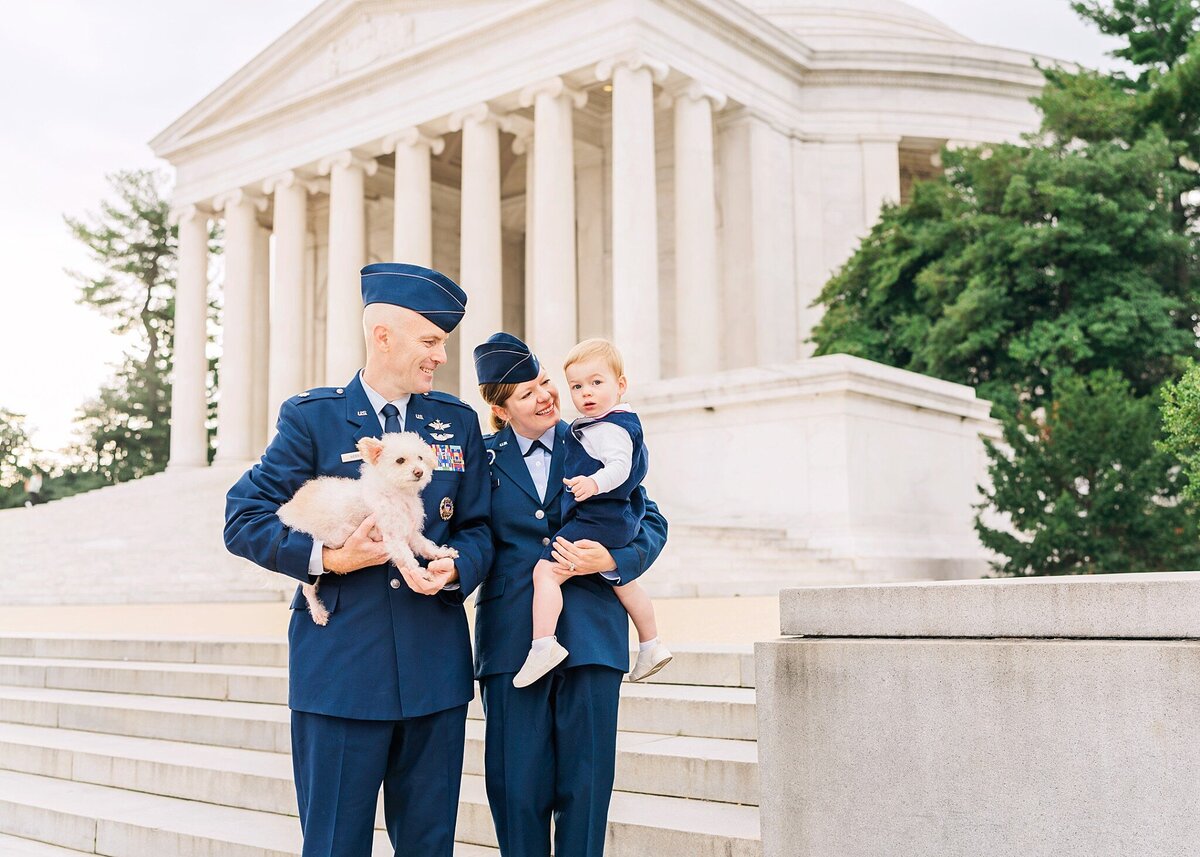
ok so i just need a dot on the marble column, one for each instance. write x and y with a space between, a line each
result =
259 429
523 145
286 363
189 406
412 232
634 214
697 295
235 433
480 271
551 320
344 347
881 176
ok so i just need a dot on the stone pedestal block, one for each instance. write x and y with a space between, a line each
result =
955 746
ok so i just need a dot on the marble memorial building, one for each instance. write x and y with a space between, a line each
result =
679 175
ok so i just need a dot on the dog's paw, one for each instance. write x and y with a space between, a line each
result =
318 612
445 552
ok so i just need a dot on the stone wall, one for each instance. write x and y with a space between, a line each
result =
1005 718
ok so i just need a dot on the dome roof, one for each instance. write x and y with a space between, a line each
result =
819 20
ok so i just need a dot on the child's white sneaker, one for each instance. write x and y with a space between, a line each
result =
538 662
650 661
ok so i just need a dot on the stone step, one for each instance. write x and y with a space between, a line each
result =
124 823
716 665
701 712
13 846
93 819
712 769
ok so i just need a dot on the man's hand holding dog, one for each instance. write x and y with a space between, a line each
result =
432 579
363 549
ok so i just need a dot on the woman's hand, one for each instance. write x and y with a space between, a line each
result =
582 557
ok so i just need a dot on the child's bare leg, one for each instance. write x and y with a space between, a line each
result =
547 599
639 607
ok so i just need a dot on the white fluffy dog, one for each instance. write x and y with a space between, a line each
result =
394 470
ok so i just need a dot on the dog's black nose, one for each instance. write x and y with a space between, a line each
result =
418 473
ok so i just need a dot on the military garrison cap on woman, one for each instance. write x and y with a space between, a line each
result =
504 359
422 290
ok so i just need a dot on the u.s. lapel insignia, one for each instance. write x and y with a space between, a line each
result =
446 509
438 425
418 416
503 443
362 413
440 438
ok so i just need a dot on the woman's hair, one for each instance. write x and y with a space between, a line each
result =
596 349
497 394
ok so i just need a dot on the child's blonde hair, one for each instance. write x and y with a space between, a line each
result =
596 349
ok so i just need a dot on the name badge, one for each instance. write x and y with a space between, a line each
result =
449 457
351 456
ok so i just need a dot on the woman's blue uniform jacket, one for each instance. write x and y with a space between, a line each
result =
594 626
387 652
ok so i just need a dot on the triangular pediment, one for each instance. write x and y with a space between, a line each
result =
336 42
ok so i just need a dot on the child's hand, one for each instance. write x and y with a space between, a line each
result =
582 487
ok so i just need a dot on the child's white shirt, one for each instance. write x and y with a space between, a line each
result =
612 446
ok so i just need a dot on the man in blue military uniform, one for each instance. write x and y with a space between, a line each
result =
379 695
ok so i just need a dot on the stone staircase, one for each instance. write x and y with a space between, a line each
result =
135 747
158 540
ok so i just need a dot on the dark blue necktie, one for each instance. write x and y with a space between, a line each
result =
537 444
391 418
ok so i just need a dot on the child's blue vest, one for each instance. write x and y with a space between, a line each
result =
612 518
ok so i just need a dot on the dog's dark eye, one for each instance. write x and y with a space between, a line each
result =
399 460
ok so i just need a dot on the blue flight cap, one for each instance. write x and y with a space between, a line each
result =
504 359
422 290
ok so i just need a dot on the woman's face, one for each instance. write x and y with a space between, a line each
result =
532 408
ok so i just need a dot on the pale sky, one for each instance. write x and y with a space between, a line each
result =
87 84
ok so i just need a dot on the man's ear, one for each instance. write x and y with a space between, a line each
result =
371 449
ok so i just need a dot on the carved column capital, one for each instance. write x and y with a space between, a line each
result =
292 178
693 90
347 158
605 69
224 201
554 87
479 114
183 213
411 136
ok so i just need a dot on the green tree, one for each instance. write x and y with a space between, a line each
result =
1180 410
1085 486
16 458
1022 263
132 245
1059 278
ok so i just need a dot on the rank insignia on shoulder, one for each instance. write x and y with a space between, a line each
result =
441 437
438 425
449 457
446 509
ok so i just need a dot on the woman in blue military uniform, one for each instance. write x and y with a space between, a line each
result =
550 748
